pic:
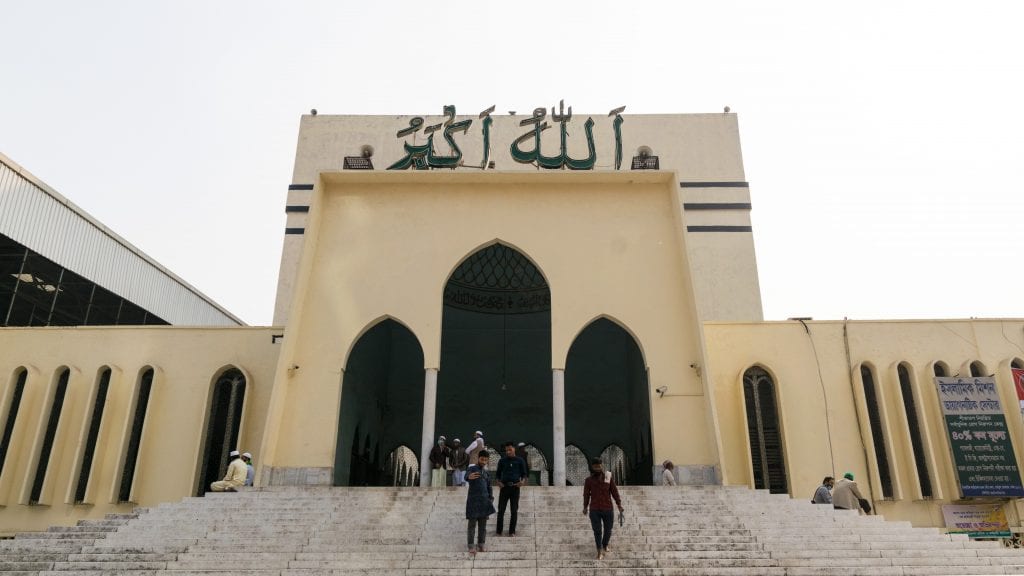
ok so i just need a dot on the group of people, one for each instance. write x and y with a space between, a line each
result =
457 459
599 491
240 473
843 495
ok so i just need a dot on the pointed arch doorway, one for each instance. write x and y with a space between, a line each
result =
381 411
607 401
495 372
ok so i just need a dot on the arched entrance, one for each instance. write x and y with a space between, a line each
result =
607 401
495 373
223 422
381 405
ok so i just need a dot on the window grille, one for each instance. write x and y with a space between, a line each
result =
94 432
940 369
645 163
403 467
577 467
614 458
877 435
766 451
910 407
12 415
132 456
51 432
357 163
538 463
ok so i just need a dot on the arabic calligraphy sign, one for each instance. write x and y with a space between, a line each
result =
980 441
977 521
425 156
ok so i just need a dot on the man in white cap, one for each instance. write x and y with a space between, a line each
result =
474 448
235 477
439 464
250 472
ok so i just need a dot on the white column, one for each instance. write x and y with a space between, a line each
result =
429 411
558 402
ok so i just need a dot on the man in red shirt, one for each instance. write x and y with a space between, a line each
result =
598 491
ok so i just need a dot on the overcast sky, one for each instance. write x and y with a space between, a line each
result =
883 142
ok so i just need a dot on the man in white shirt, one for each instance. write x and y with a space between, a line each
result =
473 450
235 477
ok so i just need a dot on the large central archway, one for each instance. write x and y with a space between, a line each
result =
495 373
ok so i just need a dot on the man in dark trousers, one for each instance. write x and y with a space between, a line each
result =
438 464
479 502
598 492
512 475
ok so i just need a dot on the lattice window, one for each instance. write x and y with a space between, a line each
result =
577 466
766 451
614 458
538 463
877 434
403 467
498 280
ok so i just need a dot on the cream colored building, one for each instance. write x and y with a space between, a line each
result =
607 306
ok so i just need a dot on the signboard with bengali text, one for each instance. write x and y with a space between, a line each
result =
977 521
978 437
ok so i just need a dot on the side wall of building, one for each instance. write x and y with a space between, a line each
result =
823 410
185 362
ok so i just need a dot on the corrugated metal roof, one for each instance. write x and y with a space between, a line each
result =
46 222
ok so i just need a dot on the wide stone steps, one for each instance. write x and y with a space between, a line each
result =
707 531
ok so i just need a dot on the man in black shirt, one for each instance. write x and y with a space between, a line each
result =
511 475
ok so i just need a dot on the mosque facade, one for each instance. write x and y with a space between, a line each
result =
583 283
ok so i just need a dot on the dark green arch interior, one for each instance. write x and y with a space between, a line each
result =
381 404
607 399
495 373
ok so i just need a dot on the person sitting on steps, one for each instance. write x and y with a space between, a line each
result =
235 477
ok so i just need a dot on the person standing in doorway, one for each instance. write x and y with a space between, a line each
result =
475 447
457 461
479 502
235 476
598 492
823 495
512 475
439 464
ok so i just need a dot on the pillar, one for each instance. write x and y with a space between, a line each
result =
429 411
558 403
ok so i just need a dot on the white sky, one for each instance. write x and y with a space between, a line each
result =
884 142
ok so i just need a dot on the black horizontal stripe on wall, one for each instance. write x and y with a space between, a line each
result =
714 185
294 230
300 186
719 229
296 208
716 205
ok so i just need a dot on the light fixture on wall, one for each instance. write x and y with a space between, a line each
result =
661 391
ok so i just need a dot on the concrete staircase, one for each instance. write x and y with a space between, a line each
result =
411 531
